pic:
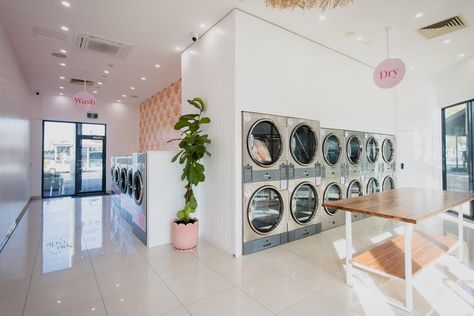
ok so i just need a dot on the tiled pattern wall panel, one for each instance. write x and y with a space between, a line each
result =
157 116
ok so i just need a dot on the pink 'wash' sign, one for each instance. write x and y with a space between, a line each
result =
84 101
389 73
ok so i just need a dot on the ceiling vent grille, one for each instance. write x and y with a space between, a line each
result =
80 82
453 24
102 46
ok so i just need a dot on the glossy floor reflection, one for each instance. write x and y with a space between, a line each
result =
77 257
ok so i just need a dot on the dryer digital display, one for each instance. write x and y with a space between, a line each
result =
387 150
304 203
331 149
265 210
333 193
355 189
264 143
372 150
388 184
303 144
373 186
354 149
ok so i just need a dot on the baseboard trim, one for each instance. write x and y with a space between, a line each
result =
36 197
15 225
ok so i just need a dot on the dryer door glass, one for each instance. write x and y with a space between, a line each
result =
303 144
117 176
265 210
130 182
333 193
123 180
264 143
388 184
373 186
354 190
354 150
372 150
137 187
304 203
387 150
331 149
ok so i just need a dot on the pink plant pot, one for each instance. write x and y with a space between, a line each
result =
184 237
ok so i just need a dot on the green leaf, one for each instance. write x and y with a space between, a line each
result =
176 156
201 102
205 120
181 215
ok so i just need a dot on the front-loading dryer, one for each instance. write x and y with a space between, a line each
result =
304 154
332 191
332 147
388 153
264 153
372 154
354 188
388 182
354 153
264 216
304 200
139 195
372 184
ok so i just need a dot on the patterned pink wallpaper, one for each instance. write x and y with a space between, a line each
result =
157 116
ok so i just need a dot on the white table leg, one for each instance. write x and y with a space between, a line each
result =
348 248
460 235
408 266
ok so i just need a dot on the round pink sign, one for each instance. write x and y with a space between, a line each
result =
84 101
389 73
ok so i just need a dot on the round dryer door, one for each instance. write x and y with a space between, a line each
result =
264 143
303 144
130 182
123 181
372 150
117 176
388 184
138 189
373 186
387 150
333 193
331 149
355 189
354 149
265 210
304 203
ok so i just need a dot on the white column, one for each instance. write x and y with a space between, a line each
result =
408 266
348 248
460 235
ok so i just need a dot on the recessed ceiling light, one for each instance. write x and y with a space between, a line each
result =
100 83
446 41
122 299
419 15
359 38
60 93
64 28
61 77
63 51
61 87
106 72
143 78
461 55
203 26
132 88
95 92
59 302
119 101
124 95
62 64
322 17
177 48
157 66
93 309
66 4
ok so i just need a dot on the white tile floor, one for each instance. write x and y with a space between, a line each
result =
76 257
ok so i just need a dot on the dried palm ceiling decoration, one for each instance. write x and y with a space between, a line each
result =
308 4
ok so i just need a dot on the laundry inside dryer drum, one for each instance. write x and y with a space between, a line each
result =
373 186
355 189
264 143
137 187
388 184
331 149
333 193
387 150
265 210
304 203
372 150
354 149
303 144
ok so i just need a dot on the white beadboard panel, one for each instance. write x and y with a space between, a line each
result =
208 72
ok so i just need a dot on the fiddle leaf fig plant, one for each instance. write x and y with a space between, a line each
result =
192 146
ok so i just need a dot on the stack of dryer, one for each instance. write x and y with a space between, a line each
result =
372 165
355 162
387 166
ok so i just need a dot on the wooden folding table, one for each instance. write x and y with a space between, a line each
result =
403 256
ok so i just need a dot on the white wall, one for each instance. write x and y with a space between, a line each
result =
456 83
15 105
122 129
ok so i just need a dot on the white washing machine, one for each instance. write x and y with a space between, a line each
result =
264 215
372 154
332 147
355 187
332 190
388 153
354 153
139 195
264 153
304 201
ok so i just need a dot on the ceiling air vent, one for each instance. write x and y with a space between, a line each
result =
103 46
443 27
80 82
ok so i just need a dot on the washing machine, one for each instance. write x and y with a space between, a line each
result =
264 139
354 151
372 184
265 218
355 187
388 182
332 147
388 153
332 191
303 152
372 154
139 195
304 203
